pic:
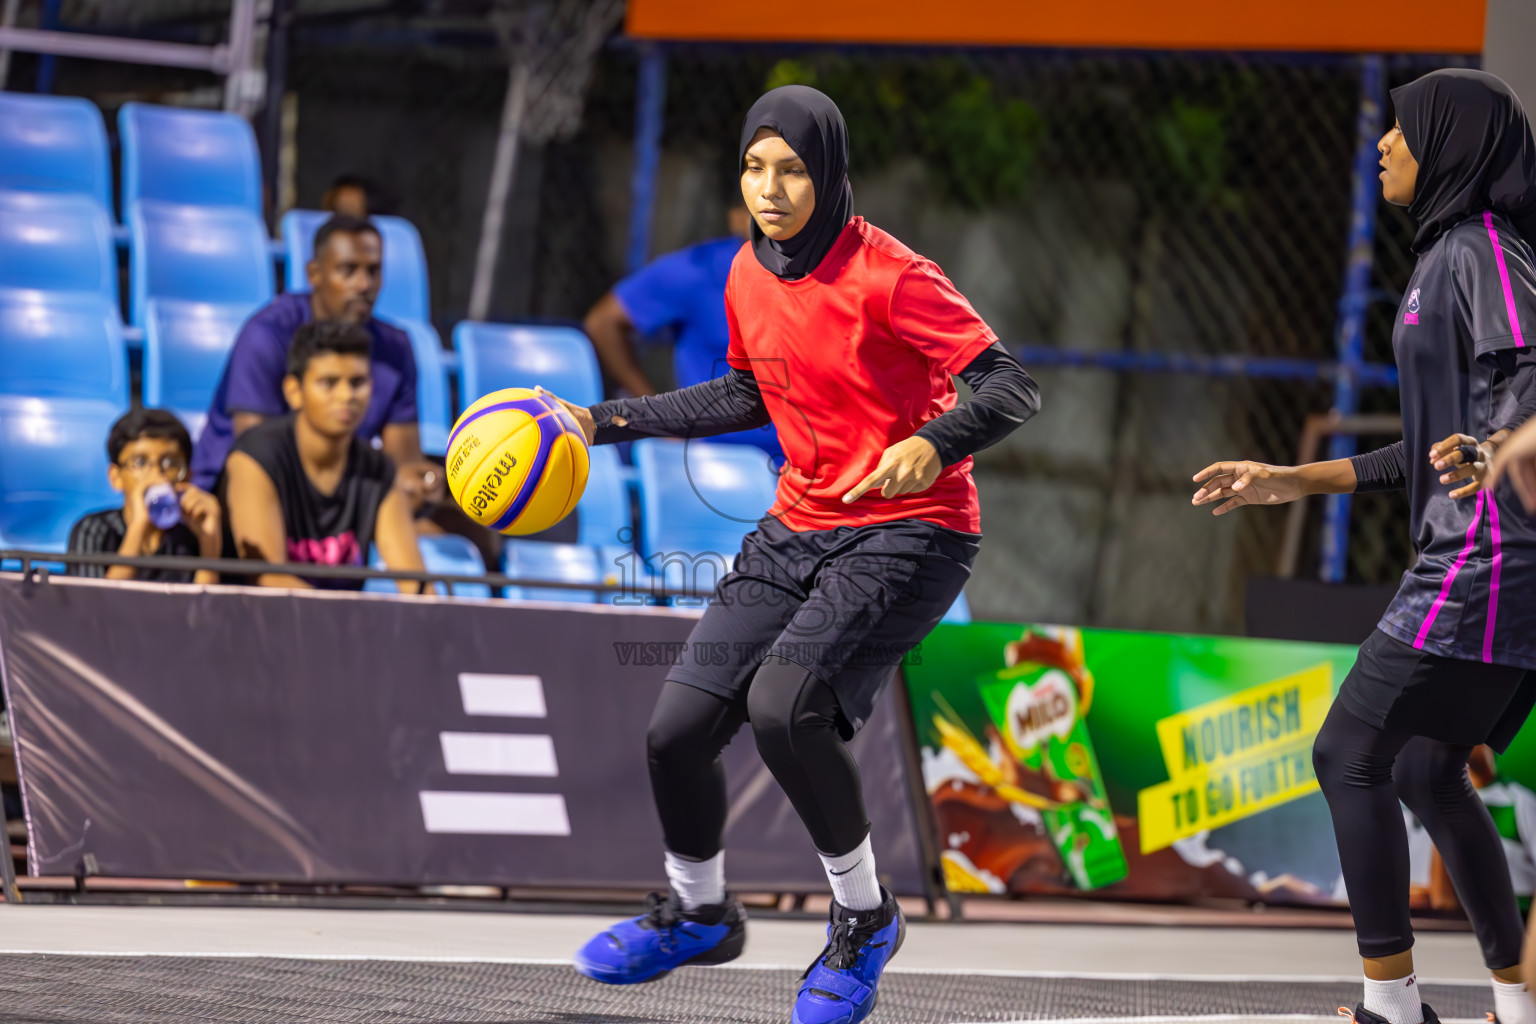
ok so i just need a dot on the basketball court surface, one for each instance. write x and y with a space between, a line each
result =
62 964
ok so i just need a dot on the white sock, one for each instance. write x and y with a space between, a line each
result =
698 883
1513 1003
1398 1001
852 875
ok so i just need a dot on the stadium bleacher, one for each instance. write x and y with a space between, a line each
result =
190 157
198 254
62 345
56 242
186 345
543 560
54 144
53 467
495 356
448 554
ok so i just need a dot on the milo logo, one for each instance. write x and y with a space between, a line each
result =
485 496
470 443
1047 707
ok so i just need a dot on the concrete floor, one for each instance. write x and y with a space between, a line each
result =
1110 950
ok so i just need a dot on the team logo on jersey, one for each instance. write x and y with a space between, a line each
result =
1412 316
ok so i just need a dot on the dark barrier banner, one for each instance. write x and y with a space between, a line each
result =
283 736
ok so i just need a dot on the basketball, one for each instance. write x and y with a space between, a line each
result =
517 461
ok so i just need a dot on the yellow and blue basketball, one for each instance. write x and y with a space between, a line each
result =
517 461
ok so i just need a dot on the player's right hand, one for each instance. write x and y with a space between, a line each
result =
1516 459
1245 483
581 414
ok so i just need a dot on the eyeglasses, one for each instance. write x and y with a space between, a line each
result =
173 466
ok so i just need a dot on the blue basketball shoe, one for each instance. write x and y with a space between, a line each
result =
664 938
839 987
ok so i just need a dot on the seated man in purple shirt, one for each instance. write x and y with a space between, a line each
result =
344 279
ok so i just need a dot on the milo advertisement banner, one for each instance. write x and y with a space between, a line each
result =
1129 765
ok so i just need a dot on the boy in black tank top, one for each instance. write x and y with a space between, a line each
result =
305 488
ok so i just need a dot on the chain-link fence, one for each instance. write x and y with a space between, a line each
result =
1112 204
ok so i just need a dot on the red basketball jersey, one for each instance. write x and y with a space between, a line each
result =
851 359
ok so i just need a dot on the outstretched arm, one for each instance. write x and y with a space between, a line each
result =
1236 484
719 406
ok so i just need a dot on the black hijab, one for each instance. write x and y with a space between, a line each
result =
813 127
1469 134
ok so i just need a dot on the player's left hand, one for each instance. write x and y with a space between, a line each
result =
906 467
1462 457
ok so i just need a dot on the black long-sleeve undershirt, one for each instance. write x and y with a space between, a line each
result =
1003 397
1386 469
717 406
1380 470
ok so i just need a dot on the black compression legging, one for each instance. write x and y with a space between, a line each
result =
1364 771
794 719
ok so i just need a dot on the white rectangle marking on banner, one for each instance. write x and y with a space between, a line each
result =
479 753
510 696
495 814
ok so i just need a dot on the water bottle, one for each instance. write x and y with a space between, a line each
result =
163 504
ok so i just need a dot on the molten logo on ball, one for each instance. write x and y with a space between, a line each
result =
485 497
517 461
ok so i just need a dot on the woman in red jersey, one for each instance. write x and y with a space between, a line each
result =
846 340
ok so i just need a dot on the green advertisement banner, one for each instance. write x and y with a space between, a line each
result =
1148 766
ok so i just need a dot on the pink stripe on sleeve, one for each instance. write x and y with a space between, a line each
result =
1509 292
1450 577
1493 586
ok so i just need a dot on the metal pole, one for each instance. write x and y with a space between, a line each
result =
47 20
243 87
503 174
7 20
650 108
1352 305
124 51
271 128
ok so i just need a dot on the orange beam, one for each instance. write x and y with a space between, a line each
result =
1374 26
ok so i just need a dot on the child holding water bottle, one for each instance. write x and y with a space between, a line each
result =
162 514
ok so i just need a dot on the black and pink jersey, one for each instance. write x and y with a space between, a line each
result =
1463 342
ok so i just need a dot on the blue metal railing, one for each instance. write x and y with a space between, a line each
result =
1352 308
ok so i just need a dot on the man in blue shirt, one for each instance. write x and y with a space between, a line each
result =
683 291
344 279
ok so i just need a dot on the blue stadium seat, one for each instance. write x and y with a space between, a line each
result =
622 566
496 356
199 157
543 560
62 345
697 501
447 553
56 242
959 612
54 144
200 254
404 293
53 467
186 345
602 515
434 409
